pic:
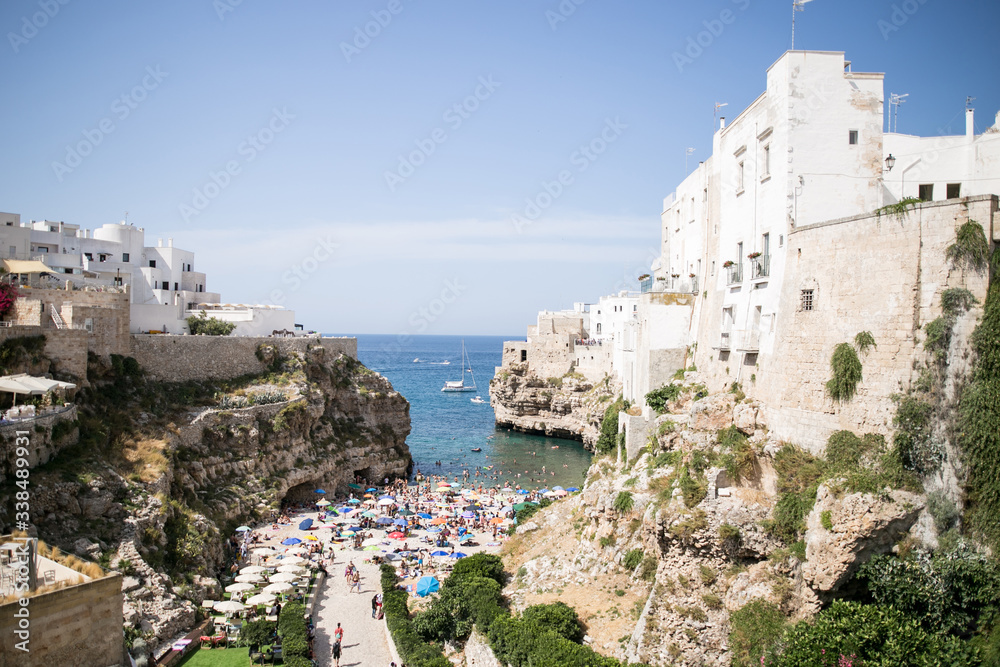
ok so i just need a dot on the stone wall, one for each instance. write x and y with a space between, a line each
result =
868 273
108 313
77 626
66 348
182 358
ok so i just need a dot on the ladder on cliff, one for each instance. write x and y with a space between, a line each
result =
56 317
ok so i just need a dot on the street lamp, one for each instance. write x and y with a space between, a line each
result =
890 162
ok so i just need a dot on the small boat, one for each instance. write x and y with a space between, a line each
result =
417 360
478 400
459 385
477 449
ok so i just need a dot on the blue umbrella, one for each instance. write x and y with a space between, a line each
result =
424 515
544 491
290 541
457 555
427 585
572 489
383 521
347 508
353 501
439 553
558 488
523 492
434 530
465 538
401 522
371 490
320 491
386 498
306 525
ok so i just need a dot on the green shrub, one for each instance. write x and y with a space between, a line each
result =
943 510
712 601
938 338
826 520
913 435
623 502
209 326
864 340
728 531
608 439
739 456
846 373
693 487
489 566
970 249
557 617
957 300
868 635
258 633
707 574
658 398
632 559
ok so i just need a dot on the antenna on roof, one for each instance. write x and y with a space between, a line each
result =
715 117
969 101
797 6
895 100
687 152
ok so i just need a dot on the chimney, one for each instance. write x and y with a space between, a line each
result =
970 126
159 243
170 243
722 123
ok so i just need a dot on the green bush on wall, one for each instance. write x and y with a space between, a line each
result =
846 369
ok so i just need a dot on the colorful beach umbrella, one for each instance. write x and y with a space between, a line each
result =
289 541
457 555
439 553
396 535
320 491
572 489
354 486
427 585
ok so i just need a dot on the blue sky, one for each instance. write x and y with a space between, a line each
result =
370 182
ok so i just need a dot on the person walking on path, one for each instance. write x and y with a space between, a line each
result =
356 580
338 634
335 653
374 604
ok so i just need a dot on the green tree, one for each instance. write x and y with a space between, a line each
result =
209 326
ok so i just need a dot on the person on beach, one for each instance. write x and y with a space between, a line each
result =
355 581
335 653
374 604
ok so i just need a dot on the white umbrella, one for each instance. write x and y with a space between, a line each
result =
386 501
249 578
239 588
292 560
263 598
253 569
280 587
324 503
294 569
208 604
285 576
229 607
264 551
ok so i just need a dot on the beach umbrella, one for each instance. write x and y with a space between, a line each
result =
347 533
557 488
465 538
292 560
229 607
312 538
369 542
243 529
401 522
354 486
371 489
427 585
383 521
562 492
392 556
239 588
369 514
386 501
434 530
522 492
289 541
424 515
404 513
252 569
505 509
284 576
249 579
496 521
305 525
320 491
353 501
439 553
396 535
572 489
323 503
345 509
294 569
544 491
278 588
373 547
438 521
520 506
457 555
262 598
468 515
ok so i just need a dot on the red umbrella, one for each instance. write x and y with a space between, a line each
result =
397 535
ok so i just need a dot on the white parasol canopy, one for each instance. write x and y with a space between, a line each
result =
253 569
239 588
278 588
285 576
263 598
229 607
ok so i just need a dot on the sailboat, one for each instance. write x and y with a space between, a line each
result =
459 385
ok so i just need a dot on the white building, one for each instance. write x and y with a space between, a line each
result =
162 282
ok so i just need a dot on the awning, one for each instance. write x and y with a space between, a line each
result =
25 266
28 384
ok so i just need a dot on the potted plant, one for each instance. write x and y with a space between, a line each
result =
675 275
690 275
728 263
644 276
753 255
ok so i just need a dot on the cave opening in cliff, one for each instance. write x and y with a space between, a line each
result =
367 477
302 493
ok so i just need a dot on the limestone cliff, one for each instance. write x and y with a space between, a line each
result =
657 552
567 407
165 472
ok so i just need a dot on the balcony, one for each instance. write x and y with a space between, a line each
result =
735 274
724 343
760 267
746 341
646 284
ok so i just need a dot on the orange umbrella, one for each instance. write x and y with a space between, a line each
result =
496 520
438 521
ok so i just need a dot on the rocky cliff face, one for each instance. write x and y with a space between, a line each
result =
657 552
571 407
184 469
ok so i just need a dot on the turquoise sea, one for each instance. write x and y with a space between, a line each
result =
447 426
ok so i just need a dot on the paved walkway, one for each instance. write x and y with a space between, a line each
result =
364 638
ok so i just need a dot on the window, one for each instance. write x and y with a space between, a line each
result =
166 285
124 256
765 162
954 190
89 256
102 257
175 286
524 356
598 327
635 308
152 263
739 178
807 299
766 242
852 137
88 324
13 251
781 240
926 192
713 267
